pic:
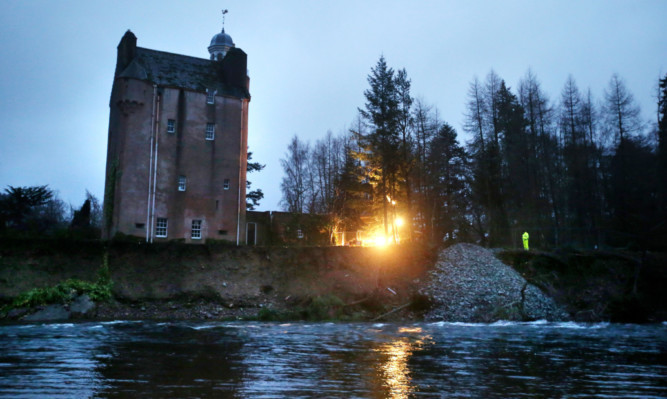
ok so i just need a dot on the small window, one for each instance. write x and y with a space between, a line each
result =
222 232
196 230
161 227
210 131
139 225
182 183
299 233
225 185
171 126
210 96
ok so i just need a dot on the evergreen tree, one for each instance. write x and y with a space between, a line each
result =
253 197
31 211
81 218
381 146
17 203
352 193
447 195
662 152
634 211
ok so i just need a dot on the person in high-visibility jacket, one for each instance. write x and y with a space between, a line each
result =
525 240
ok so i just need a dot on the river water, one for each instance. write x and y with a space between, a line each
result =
332 360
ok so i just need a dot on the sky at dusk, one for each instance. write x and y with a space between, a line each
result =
308 63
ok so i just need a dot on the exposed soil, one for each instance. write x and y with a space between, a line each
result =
599 285
216 282
176 281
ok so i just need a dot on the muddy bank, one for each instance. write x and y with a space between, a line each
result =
217 282
616 286
176 281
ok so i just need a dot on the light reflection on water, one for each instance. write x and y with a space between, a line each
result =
334 360
393 364
394 368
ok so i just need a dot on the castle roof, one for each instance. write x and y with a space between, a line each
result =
182 71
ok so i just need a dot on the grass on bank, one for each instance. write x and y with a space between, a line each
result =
66 291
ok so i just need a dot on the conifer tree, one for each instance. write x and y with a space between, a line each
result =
381 145
253 197
447 187
662 146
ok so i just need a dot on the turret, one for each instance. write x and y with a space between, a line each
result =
127 50
220 43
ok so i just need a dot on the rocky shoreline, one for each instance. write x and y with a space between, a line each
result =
469 284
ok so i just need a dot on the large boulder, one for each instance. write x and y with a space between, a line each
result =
49 313
469 284
82 306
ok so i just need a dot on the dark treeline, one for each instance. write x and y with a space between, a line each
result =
37 211
574 171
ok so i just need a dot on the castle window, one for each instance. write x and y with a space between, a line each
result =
171 126
225 185
195 234
161 227
299 233
210 131
182 183
210 96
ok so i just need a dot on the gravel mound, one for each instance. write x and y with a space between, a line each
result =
469 284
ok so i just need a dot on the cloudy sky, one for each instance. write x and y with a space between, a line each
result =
308 64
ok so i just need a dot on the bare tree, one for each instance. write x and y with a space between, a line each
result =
326 159
621 112
425 123
295 183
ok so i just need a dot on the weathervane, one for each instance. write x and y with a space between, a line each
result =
223 20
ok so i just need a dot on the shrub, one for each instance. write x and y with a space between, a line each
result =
326 307
66 291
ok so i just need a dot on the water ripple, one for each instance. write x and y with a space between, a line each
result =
335 360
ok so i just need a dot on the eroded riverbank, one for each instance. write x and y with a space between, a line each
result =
216 282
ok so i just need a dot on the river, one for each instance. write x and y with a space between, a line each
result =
332 360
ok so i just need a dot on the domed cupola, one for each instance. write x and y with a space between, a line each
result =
221 42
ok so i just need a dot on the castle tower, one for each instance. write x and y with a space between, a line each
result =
177 146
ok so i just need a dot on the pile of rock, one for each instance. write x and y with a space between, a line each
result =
82 306
469 284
